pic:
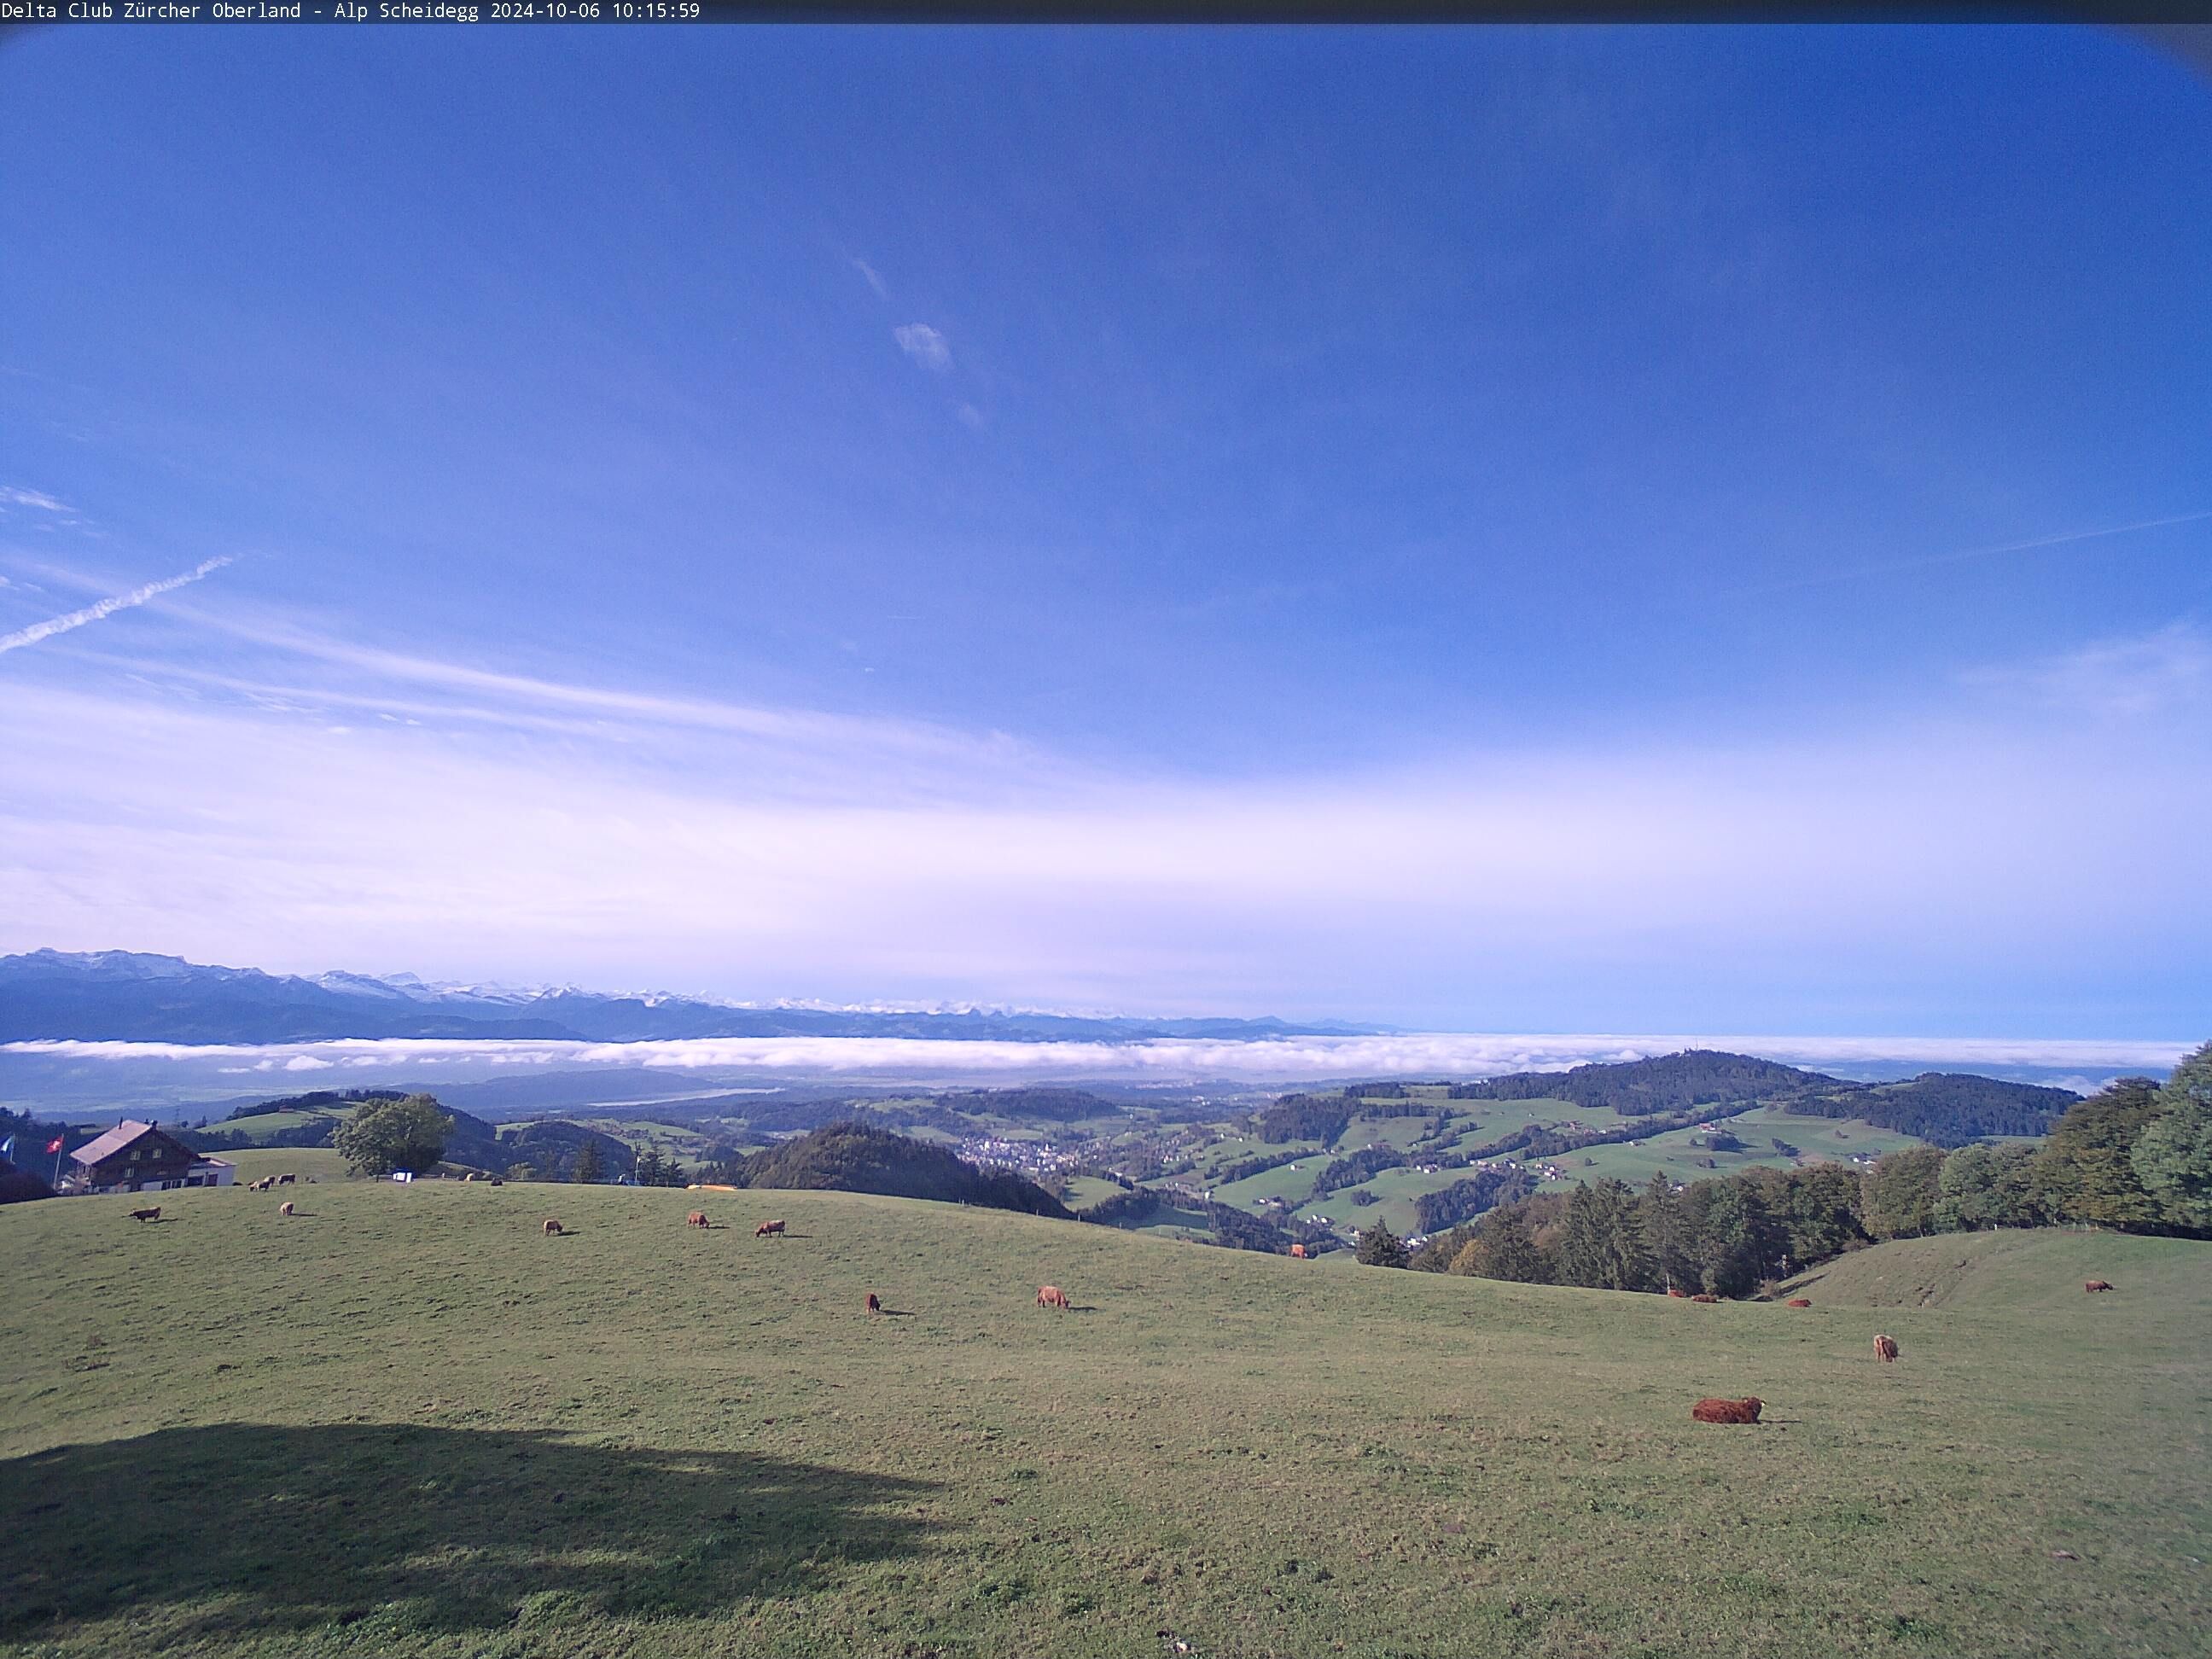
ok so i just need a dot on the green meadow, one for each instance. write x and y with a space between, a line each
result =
407 1422
1683 1156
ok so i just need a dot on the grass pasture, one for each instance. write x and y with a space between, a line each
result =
321 1162
1678 1152
406 1422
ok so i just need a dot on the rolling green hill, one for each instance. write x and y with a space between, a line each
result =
2036 1273
407 1422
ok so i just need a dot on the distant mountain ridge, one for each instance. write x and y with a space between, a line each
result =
131 996
1946 1108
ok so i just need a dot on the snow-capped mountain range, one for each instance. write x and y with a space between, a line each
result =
127 996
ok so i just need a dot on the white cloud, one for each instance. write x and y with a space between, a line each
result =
971 416
1272 1060
107 607
38 498
925 345
2149 674
545 828
874 281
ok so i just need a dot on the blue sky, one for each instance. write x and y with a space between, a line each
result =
1481 530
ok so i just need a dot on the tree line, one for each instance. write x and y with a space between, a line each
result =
1948 1109
2135 1157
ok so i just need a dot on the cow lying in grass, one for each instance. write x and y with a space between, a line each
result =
1745 1410
1800 1302
1707 1299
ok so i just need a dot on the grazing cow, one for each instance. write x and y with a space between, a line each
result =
874 1305
497 1181
1885 1348
286 1180
154 1214
552 1227
1299 1252
2096 1284
1801 1302
1745 1410
696 1218
1704 1299
1051 1295
768 1229
1683 1296
285 1208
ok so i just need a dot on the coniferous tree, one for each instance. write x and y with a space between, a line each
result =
1667 1235
588 1167
672 1173
1381 1248
648 1167
1740 1244
1581 1253
1507 1251
1623 1261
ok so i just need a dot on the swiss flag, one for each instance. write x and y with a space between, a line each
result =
55 1144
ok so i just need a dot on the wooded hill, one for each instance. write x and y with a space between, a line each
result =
855 1158
1948 1109
548 1146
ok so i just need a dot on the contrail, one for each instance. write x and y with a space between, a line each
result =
1891 565
92 613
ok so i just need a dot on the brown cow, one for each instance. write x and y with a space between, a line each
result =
1704 1299
2096 1284
1745 1410
1051 1295
154 1214
285 1208
552 1227
1800 1302
1299 1252
1885 1348
1681 1295
768 1229
874 1305
696 1218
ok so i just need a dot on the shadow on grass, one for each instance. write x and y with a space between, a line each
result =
244 1527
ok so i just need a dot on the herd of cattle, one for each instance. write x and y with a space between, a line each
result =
1745 1410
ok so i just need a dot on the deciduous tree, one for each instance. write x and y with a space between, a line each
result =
383 1136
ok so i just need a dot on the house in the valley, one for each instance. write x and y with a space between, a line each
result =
141 1157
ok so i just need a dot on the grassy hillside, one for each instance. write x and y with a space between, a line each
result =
407 1422
1682 1153
2034 1275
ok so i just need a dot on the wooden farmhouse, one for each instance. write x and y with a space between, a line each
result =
138 1157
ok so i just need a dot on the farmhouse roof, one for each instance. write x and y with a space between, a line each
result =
113 1142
